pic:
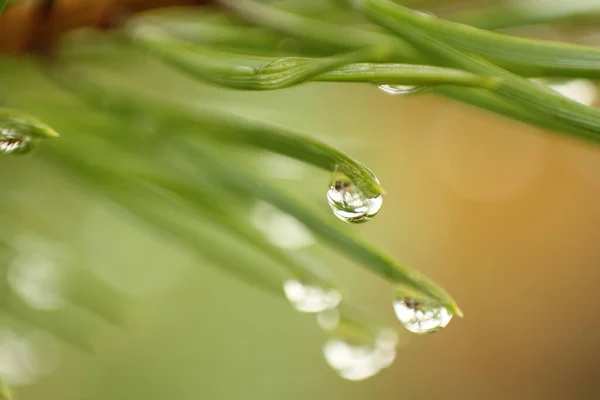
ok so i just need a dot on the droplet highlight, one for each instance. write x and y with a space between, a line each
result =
349 203
310 298
421 316
357 361
398 90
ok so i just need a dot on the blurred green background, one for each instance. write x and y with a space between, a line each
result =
502 215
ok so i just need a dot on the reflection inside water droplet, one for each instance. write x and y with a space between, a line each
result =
357 361
310 297
397 90
350 204
421 316
12 143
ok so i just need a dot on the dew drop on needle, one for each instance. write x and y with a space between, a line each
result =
421 316
349 203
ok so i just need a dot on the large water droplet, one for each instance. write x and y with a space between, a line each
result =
308 297
421 316
397 90
360 360
349 203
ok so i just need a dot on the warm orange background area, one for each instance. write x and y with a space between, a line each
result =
506 217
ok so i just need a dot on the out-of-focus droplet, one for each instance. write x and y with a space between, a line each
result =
386 343
24 359
280 228
358 360
37 280
421 316
311 298
352 362
397 90
349 203
329 319
18 361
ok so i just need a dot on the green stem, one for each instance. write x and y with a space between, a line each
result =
517 14
520 55
223 127
269 73
527 57
413 27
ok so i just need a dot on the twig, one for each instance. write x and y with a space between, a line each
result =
33 27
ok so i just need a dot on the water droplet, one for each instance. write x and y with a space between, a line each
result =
12 143
352 362
421 316
360 360
18 359
349 203
310 298
396 90
37 279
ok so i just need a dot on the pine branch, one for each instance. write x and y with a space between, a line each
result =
35 26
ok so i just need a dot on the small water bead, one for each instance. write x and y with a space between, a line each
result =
349 204
421 316
310 298
396 90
